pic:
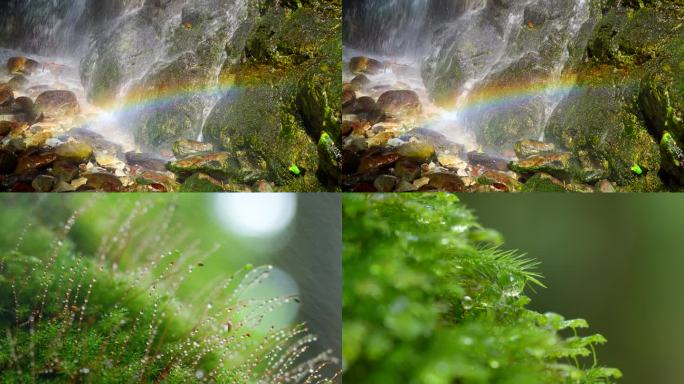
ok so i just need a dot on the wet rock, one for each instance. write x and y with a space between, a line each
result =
201 182
146 161
385 183
6 95
53 104
62 187
8 162
407 170
363 64
22 188
103 182
417 151
405 186
488 161
75 151
365 108
43 183
445 182
542 182
436 139
359 82
529 148
65 170
18 82
22 65
263 186
5 128
399 103
348 98
605 186
556 164
329 158
380 140
373 161
32 162
24 105
500 181
185 147
156 181
213 164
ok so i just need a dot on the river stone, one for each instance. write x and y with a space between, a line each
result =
213 163
43 183
65 170
556 164
348 98
103 182
399 103
373 161
363 64
28 162
417 151
385 183
529 148
75 151
6 95
360 81
22 65
8 162
156 181
54 104
499 181
542 182
5 128
200 182
185 147
445 182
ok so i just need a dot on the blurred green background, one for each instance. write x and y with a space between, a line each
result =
299 234
615 260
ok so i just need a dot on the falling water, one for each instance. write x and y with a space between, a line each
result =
493 66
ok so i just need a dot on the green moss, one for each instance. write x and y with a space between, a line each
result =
427 298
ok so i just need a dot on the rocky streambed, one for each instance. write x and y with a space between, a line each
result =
53 140
392 141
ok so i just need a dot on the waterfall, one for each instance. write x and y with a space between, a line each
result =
495 66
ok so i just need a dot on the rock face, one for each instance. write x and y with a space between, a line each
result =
625 116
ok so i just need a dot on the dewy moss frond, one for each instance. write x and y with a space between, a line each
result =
67 317
429 298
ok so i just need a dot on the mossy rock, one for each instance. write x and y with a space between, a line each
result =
201 182
542 182
599 120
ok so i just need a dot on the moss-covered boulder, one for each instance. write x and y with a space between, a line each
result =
287 95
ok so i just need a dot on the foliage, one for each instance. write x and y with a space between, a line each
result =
81 318
429 298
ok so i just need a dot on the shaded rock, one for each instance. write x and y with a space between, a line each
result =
32 162
43 183
52 104
62 186
529 148
8 162
373 161
263 186
103 182
201 182
407 170
184 148
348 98
146 161
405 186
22 188
65 170
385 183
363 64
5 128
365 108
542 182
6 95
556 164
488 161
75 151
399 103
329 158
